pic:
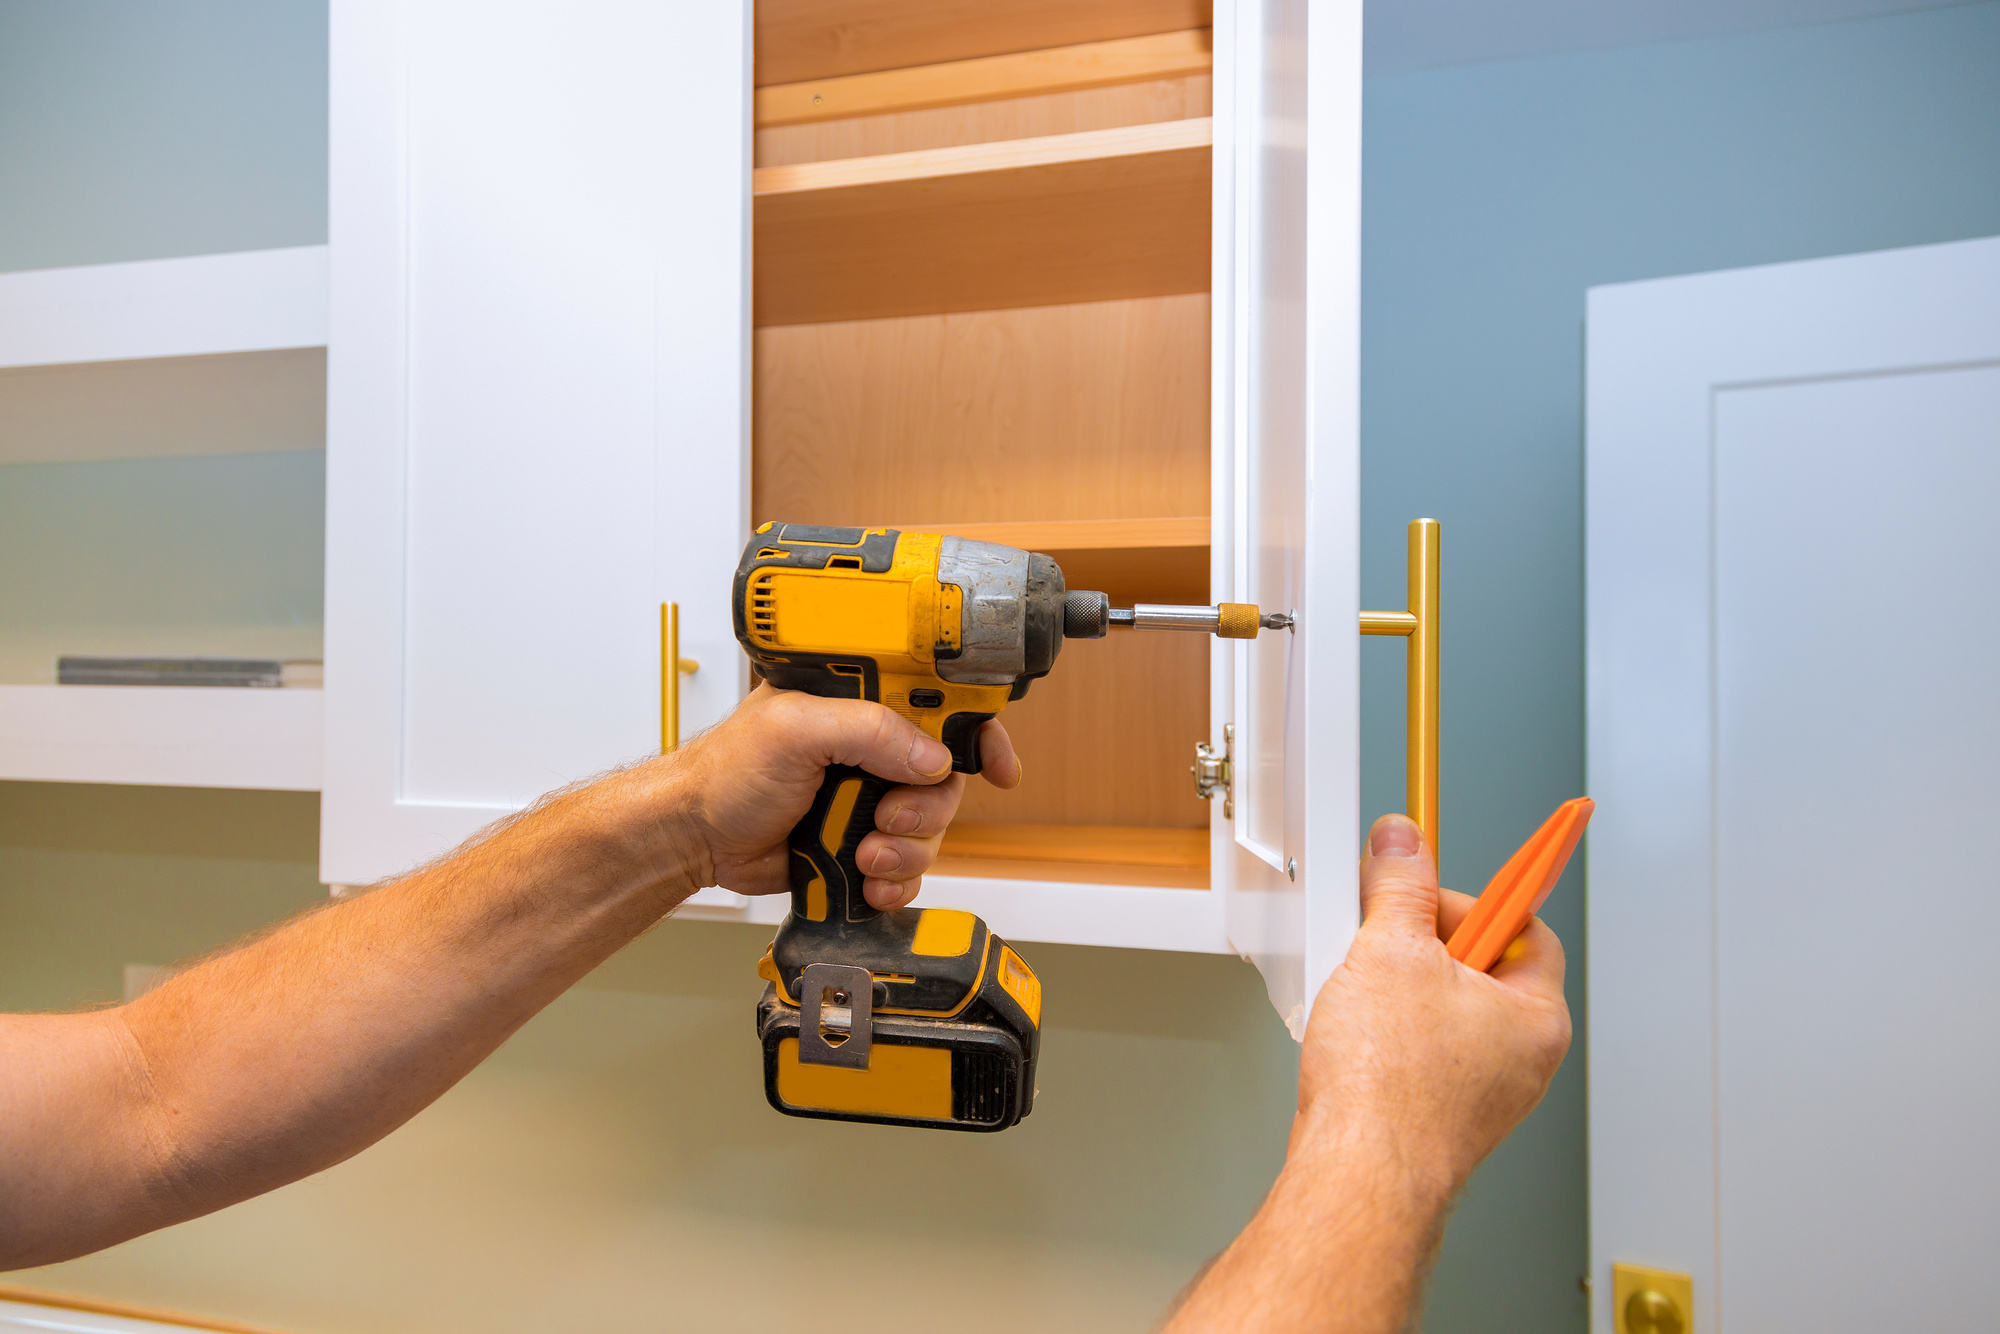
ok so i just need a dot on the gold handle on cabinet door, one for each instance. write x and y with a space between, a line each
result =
1420 626
672 667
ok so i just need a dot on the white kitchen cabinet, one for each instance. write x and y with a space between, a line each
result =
611 282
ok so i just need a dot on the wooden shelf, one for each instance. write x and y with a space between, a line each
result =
1132 560
1106 845
1107 854
1097 216
1079 534
1060 69
174 736
817 39
204 355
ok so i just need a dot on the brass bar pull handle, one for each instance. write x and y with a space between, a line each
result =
672 667
1420 626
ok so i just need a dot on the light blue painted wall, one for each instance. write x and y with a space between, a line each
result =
139 129
1493 196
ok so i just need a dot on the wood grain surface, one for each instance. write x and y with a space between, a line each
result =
1131 560
1107 737
1081 412
1093 216
1168 99
1131 845
1138 574
816 39
1086 873
988 78
1079 534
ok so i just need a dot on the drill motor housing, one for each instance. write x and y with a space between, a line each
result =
916 1017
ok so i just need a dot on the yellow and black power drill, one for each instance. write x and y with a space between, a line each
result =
917 1016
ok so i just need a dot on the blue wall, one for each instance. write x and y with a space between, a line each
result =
137 129
1493 196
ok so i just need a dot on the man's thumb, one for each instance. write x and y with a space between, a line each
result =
1399 881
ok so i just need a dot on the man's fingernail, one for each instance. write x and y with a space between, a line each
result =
929 756
887 860
904 821
1394 838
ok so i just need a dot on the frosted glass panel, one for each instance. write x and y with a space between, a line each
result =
221 555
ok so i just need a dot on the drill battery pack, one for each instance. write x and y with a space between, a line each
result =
944 1037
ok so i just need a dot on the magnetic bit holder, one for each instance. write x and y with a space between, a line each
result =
836 1015
1226 620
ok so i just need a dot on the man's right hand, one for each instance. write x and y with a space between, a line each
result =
741 786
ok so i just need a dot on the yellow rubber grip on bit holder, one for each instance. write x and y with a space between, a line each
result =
1236 620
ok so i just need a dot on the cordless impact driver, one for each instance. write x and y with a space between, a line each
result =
916 1016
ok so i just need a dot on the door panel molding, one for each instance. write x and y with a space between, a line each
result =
1659 354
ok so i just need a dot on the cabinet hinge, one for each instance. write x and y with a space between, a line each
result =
1213 772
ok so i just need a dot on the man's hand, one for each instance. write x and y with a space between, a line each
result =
752 777
1407 1044
1414 1068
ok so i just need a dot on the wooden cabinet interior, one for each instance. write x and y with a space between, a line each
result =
981 292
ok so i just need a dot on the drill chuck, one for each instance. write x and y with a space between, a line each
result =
1085 615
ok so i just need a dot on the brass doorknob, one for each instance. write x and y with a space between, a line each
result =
1650 1311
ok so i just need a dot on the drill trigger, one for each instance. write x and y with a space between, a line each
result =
960 735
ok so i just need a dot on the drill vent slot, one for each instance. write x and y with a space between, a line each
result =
982 1087
763 611
843 562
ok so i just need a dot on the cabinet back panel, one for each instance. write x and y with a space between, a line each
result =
1146 103
1089 411
1107 737
812 39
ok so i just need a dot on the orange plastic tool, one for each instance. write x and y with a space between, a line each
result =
1517 890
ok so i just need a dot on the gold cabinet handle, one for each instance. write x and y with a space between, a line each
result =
672 667
1420 626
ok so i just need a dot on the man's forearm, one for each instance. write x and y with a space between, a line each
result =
1340 1245
293 1052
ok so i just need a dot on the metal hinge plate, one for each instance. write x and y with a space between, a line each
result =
1213 773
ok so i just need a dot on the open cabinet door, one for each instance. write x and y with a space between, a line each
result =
536 400
1287 180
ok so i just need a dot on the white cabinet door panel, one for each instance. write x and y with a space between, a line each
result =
1858 818
1287 170
1795 747
536 400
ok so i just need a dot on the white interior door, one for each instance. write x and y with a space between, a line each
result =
537 390
1794 635
1286 313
